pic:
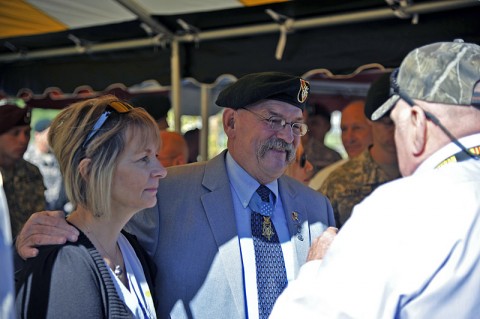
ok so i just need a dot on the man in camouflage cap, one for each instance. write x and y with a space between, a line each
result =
410 249
202 242
22 181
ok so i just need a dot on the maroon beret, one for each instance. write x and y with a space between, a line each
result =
12 115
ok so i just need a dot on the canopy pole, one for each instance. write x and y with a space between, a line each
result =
204 98
176 85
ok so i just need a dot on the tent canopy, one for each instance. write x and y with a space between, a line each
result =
56 51
68 43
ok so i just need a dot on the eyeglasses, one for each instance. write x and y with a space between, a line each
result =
303 160
276 124
404 96
116 106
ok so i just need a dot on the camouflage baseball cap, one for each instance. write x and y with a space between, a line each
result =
444 72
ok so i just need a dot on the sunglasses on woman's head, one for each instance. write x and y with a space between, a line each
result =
116 106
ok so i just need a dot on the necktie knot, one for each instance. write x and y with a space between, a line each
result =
264 193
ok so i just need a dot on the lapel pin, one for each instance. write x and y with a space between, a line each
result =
297 222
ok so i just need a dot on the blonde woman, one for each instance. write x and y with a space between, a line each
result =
107 154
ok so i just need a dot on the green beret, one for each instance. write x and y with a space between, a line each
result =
11 116
254 87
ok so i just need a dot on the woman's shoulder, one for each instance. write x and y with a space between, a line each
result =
68 255
56 278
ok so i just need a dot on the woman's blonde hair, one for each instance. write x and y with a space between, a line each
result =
69 131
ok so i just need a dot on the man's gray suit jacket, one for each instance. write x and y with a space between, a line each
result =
192 236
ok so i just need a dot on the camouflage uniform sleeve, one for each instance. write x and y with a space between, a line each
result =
328 189
343 189
27 196
37 188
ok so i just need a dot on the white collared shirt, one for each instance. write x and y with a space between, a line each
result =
139 298
410 250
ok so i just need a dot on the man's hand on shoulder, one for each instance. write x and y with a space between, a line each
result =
44 228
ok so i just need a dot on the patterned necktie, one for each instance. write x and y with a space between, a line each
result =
271 273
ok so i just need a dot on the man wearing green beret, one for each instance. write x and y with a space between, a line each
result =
22 181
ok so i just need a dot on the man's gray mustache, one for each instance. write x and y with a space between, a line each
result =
278 145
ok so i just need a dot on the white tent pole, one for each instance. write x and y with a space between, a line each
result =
368 15
175 93
144 16
204 98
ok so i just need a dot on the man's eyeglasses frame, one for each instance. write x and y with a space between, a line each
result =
277 124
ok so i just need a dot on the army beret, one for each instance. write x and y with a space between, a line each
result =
156 105
12 115
254 87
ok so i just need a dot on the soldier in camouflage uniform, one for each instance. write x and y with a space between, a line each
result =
22 181
350 183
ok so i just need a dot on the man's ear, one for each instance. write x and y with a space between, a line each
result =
229 121
84 168
418 130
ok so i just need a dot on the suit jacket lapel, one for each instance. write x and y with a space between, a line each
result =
296 216
221 216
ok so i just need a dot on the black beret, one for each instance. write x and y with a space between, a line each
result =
12 115
157 105
378 93
254 87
